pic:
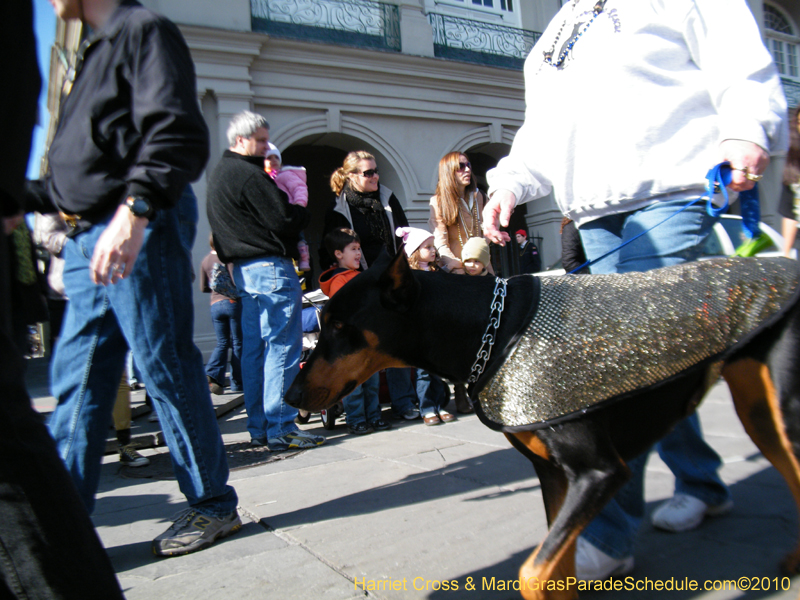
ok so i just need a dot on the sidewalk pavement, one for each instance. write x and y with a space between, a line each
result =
413 507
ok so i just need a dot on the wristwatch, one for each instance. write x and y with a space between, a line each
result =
140 207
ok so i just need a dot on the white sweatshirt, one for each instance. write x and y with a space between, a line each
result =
639 108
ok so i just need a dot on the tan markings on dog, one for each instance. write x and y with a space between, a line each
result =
560 568
325 380
531 442
758 406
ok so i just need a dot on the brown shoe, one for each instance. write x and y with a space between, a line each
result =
431 419
463 405
446 417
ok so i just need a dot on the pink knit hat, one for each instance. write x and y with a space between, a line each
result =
413 238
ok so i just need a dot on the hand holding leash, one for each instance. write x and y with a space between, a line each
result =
496 214
748 163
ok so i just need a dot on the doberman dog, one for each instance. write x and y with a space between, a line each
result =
391 316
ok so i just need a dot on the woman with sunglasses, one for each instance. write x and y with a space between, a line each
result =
374 213
455 210
365 206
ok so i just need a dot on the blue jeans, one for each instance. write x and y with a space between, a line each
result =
151 312
401 390
188 216
132 369
272 329
693 462
432 392
226 317
362 404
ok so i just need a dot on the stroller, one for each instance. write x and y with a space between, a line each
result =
312 307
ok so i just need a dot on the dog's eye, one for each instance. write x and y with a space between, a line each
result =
337 325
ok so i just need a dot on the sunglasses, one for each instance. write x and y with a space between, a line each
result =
369 173
462 166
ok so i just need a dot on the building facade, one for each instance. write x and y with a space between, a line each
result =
407 80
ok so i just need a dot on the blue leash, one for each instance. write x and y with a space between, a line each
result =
717 179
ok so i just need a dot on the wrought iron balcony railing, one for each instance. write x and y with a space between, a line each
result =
483 43
360 23
791 87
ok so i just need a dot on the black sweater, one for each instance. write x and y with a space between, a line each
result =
249 215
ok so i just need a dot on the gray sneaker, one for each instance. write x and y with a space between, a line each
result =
192 531
295 440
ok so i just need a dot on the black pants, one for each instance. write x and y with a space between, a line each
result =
48 546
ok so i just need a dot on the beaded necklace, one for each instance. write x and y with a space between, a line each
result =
476 224
577 33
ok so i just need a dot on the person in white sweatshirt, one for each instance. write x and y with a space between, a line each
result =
628 104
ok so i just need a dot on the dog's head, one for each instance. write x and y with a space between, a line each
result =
364 328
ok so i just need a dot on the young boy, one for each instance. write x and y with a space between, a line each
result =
475 256
362 407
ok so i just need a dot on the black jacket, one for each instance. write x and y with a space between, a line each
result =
249 215
131 124
572 254
530 261
18 105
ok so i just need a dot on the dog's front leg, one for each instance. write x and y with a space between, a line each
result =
582 454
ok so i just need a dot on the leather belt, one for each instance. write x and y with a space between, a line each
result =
71 220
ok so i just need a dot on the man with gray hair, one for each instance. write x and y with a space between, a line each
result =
257 230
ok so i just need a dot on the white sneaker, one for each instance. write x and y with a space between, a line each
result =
591 563
684 513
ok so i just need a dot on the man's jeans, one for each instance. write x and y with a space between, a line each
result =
227 319
272 328
401 390
150 312
362 405
693 462
432 392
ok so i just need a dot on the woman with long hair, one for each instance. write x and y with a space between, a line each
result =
455 210
789 205
365 206
374 213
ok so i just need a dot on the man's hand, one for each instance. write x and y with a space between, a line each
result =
116 251
496 214
748 161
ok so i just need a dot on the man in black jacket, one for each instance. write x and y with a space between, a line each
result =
130 138
530 261
257 230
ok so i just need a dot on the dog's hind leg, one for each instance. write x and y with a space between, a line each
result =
579 472
758 405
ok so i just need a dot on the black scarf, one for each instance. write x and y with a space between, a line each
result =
370 207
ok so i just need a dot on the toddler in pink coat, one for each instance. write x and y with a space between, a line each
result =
291 180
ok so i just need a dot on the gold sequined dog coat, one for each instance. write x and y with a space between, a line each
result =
594 339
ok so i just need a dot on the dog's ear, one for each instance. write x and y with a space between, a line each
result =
399 289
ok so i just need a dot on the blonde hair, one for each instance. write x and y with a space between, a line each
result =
350 165
447 195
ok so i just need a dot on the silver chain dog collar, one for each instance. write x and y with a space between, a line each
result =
487 342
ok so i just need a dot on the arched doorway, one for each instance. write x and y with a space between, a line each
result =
321 156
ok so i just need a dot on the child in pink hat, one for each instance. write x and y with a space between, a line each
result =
432 392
